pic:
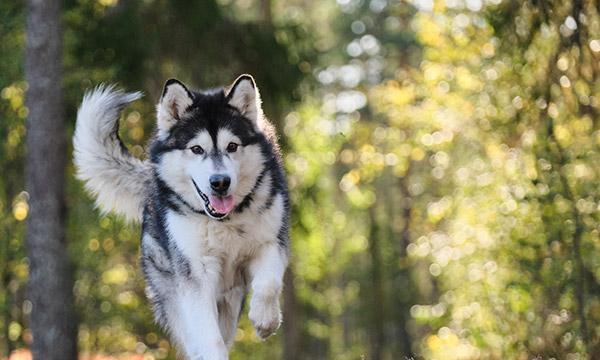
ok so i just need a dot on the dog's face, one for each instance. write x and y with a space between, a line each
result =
208 148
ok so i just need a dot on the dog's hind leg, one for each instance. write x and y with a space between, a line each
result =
230 308
195 324
192 314
185 306
160 278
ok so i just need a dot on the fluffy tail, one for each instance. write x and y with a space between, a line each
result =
117 179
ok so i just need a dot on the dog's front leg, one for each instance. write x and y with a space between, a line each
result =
198 317
266 271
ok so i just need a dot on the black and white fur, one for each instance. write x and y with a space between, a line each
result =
199 264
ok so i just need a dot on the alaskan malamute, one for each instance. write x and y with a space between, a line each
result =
213 202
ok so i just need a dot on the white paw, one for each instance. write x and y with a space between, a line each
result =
265 316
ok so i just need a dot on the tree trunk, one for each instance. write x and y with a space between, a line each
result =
377 332
50 287
265 9
291 324
402 275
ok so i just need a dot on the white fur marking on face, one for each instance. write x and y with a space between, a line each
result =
224 137
251 162
203 140
172 170
178 167
229 162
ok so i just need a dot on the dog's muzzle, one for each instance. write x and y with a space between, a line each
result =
221 202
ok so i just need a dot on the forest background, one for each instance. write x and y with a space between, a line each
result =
443 160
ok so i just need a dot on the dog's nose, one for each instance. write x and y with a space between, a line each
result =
220 183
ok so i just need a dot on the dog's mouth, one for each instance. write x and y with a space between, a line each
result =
216 206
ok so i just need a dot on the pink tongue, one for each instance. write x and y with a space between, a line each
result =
223 205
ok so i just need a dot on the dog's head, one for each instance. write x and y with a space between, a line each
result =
209 147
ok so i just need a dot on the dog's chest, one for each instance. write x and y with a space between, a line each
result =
198 238
223 246
233 240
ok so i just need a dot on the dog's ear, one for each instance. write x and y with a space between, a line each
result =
174 101
243 95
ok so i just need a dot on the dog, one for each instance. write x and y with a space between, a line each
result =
213 202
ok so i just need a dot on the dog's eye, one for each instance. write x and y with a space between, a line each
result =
197 150
232 147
